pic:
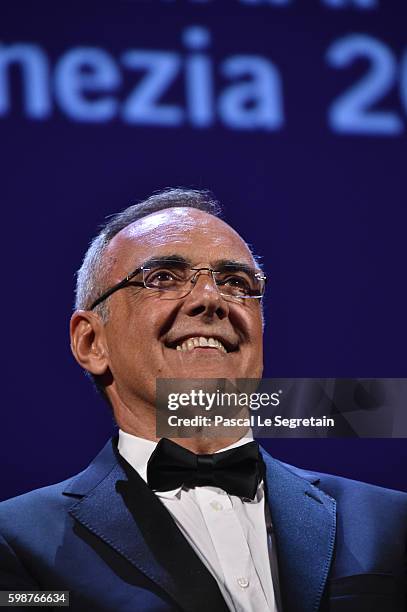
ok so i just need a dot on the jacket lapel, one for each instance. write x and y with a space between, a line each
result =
117 506
304 520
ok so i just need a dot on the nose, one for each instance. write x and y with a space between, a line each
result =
204 297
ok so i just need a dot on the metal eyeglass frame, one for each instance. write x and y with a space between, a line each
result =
142 283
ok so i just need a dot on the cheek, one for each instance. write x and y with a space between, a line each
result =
144 322
256 339
133 353
250 322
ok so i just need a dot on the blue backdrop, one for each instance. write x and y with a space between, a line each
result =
295 117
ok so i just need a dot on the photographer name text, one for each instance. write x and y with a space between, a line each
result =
253 420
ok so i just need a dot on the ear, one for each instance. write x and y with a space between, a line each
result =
88 341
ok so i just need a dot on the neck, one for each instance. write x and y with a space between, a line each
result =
141 422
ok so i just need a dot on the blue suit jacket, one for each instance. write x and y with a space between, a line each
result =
104 536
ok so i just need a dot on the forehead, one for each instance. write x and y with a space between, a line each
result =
192 233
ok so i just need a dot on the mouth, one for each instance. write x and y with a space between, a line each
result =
207 343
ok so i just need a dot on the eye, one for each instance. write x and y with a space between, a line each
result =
236 282
163 277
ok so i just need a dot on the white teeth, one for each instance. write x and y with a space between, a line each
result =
191 343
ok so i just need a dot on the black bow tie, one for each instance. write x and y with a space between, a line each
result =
237 471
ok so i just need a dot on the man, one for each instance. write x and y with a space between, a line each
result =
168 290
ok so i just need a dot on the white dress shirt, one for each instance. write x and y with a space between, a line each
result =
227 533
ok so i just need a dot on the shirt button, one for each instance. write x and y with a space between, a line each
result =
243 582
216 505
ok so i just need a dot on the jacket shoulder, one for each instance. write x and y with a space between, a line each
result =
46 507
34 507
37 495
354 492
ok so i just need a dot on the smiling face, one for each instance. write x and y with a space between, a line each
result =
201 335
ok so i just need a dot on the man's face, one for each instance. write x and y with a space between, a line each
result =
144 327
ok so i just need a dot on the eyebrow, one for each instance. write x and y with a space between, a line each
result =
233 265
219 264
171 258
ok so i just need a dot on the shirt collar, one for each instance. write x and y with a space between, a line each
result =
137 451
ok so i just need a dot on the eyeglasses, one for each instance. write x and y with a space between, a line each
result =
176 278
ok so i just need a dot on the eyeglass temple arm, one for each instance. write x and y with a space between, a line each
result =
115 288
